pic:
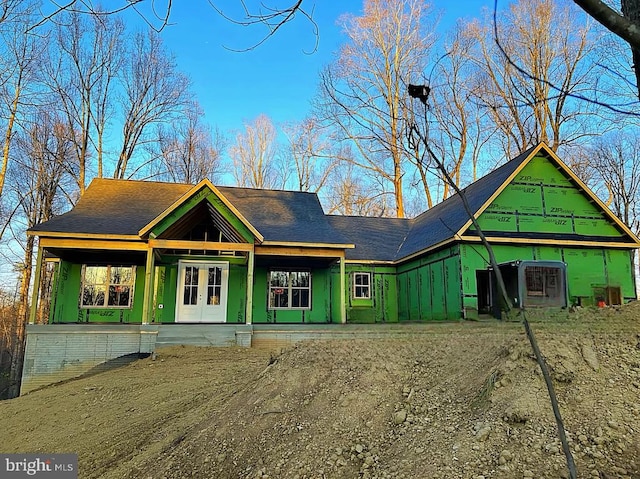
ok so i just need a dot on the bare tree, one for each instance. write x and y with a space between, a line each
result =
309 151
616 164
83 62
42 152
19 59
349 193
254 156
157 16
190 151
362 91
459 128
154 92
532 73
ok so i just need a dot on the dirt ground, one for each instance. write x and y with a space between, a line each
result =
457 400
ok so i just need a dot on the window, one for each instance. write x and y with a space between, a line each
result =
107 286
289 290
544 286
543 281
361 285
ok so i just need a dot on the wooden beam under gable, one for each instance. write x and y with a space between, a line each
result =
92 243
199 245
553 242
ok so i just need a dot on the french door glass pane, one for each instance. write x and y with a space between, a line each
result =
214 283
190 285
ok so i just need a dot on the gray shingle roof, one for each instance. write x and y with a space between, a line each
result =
116 207
392 239
124 207
284 215
443 221
376 239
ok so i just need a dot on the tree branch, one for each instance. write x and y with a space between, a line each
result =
612 21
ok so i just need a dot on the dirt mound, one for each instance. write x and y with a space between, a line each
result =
462 400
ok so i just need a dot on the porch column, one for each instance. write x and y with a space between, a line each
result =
250 266
343 304
36 287
148 286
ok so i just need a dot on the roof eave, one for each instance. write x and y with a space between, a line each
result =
80 235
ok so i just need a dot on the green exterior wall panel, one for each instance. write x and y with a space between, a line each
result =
237 294
541 170
429 287
619 265
321 304
541 199
67 300
587 269
438 293
426 296
381 307
453 287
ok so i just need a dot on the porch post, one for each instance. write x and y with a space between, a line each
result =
148 286
343 305
36 287
250 266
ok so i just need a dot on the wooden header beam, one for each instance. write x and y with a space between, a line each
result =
199 245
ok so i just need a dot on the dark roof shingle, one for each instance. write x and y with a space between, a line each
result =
124 207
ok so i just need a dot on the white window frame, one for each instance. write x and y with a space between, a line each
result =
289 290
106 285
354 286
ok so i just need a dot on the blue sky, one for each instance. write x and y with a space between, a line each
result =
278 78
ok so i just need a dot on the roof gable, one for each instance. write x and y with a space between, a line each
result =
505 187
545 197
206 201
445 221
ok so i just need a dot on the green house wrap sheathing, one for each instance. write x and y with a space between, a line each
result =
588 269
320 312
541 199
65 303
429 287
166 294
381 307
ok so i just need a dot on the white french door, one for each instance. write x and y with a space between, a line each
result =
202 292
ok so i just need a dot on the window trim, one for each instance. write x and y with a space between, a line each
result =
354 287
107 284
290 290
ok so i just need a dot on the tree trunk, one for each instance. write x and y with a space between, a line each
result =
631 11
17 353
7 137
